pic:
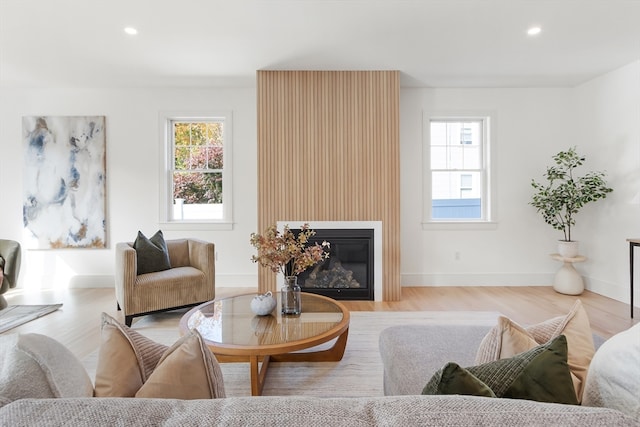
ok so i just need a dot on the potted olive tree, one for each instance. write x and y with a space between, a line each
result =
564 194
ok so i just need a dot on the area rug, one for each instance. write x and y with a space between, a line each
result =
359 373
16 315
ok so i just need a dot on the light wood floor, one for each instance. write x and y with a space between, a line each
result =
77 323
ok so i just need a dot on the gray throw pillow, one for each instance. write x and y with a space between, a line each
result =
37 366
151 253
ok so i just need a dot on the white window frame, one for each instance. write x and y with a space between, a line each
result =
488 218
166 168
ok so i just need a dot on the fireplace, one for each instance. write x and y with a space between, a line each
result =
375 282
349 271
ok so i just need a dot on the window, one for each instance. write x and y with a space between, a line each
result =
197 169
466 185
457 174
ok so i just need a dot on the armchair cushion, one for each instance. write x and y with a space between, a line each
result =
151 253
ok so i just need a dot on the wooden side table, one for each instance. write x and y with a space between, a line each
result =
632 244
567 280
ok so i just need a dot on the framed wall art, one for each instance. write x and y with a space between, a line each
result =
64 181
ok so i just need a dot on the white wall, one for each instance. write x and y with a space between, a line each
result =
608 128
601 117
530 125
133 147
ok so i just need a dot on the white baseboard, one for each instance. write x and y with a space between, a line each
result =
237 280
91 281
222 280
610 290
607 289
490 279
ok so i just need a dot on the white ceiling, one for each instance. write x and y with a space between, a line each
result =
434 43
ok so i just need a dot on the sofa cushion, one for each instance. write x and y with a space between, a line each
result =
454 379
505 340
37 366
126 359
187 370
614 374
404 350
130 364
547 378
574 325
540 374
151 253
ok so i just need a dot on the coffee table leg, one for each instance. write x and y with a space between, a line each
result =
333 354
258 373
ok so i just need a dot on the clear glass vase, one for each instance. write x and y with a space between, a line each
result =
290 293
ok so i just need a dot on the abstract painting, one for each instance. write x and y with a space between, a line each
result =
64 181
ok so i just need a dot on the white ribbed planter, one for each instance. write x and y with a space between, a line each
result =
568 249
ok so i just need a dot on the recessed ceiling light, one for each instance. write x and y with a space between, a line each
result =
131 31
533 31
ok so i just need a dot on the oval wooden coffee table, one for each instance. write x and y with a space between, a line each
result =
235 334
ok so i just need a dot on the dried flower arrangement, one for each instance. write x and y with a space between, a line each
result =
287 252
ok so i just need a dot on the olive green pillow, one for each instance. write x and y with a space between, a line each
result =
454 379
547 378
540 374
151 253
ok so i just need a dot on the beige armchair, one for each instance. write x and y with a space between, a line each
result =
189 281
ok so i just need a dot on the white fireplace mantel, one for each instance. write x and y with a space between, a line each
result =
377 243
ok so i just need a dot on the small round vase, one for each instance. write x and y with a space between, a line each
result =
263 304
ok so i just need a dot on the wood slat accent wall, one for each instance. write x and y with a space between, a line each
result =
328 150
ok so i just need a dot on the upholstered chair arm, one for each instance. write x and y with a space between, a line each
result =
12 254
125 272
202 257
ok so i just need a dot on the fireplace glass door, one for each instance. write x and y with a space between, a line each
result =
348 273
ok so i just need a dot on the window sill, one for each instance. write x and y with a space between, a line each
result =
196 225
460 225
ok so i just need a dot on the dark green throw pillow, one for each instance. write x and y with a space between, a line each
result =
151 254
453 379
541 374
547 378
